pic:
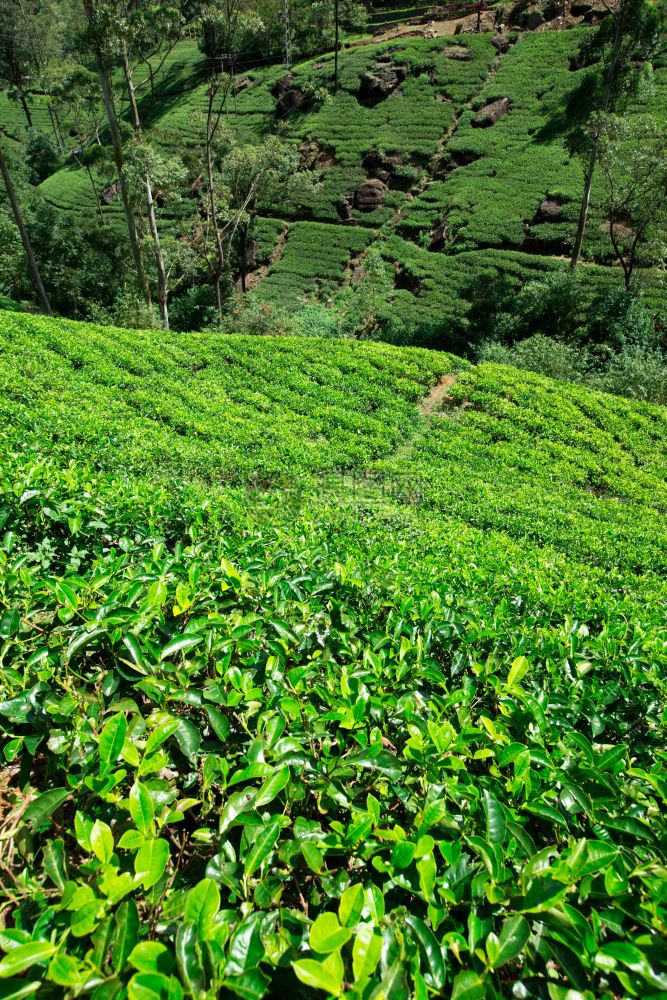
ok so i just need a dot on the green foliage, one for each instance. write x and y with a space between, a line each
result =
399 736
42 155
313 262
454 188
636 371
631 160
165 407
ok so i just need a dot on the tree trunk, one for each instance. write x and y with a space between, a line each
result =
220 252
98 200
129 83
218 294
162 282
590 169
243 258
583 211
54 125
26 109
119 158
18 216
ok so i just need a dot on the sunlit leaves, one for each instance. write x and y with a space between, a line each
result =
151 861
395 754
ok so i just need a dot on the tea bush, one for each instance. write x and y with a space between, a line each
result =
397 734
205 407
519 161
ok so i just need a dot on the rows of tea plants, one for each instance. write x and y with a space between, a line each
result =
367 739
313 262
519 161
206 407
487 205
433 292
561 465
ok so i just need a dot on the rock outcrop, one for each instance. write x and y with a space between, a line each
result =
550 210
457 52
381 165
490 114
370 194
289 97
501 43
378 84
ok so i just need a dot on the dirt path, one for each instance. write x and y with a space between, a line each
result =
254 278
432 29
430 404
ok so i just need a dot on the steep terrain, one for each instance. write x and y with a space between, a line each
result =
313 688
449 156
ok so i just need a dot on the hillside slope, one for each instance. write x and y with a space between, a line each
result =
390 722
399 164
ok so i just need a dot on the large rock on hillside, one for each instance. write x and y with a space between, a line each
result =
501 43
457 52
553 9
580 8
289 97
370 194
344 209
490 114
590 10
550 210
381 165
376 86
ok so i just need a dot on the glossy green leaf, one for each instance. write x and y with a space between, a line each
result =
495 818
151 956
315 975
112 739
54 862
188 958
272 786
24 957
366 951
142 810
126 933
201 904
43 807
246 949
160 734
150 862
101 841
513 936
468 986
179 644
433 963
262 847
517 671
327 935
351 904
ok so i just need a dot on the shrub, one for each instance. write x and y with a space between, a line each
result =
42 154
538 354
637 372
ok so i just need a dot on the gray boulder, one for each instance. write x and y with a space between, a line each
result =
490 114
370 194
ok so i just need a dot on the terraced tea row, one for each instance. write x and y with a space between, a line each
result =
215 408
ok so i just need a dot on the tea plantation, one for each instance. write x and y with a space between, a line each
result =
442 185
326 669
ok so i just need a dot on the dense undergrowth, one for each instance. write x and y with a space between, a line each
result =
394 730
